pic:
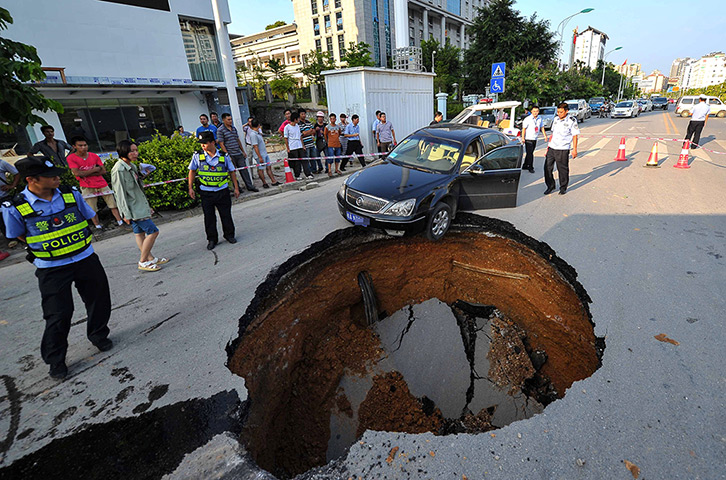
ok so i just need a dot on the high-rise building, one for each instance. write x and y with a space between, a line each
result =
331 25
588 47
677 66
655 82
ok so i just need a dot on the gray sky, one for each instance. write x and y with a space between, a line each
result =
651 32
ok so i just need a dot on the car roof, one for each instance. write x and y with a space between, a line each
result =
455 131
492 106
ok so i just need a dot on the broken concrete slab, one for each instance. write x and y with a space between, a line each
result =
423 342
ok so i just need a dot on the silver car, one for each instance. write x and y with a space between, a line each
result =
547 114
578 109
627 108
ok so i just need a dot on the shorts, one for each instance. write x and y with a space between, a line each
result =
146 226
93 201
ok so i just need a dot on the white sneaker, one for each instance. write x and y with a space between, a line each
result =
297 179
310 177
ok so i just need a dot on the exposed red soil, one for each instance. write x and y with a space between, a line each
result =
390 406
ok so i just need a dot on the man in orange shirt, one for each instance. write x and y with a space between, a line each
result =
332 138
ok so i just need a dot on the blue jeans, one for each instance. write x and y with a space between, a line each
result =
332 151
315 165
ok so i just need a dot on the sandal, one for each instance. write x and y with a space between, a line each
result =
276 184
160 261
264 185
149 267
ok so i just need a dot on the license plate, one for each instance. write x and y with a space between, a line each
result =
357 219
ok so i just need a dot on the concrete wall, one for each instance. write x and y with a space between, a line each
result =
406 97
93 38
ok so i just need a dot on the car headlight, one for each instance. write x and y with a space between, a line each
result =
402 209
341 192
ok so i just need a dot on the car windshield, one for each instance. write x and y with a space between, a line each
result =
597 99
427 152
548 111
660 100
624 104
573 105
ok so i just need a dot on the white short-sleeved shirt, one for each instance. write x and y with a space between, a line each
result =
700 111
562 133
294 138
532 127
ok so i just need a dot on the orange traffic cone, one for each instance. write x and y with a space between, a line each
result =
653 157
621 151
288 173
683 157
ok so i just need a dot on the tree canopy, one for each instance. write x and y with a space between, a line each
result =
447 64
20 64
314 64
278 23
358 55
501 34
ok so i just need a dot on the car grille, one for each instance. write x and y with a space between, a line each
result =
364 202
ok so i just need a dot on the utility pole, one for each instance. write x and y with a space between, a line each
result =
230 76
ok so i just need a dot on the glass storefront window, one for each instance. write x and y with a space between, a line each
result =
105 122
200 44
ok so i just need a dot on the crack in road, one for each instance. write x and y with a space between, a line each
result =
151 329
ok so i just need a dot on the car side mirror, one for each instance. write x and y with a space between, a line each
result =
476 169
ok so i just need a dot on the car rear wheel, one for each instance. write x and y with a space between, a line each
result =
438 222
721 114
685 113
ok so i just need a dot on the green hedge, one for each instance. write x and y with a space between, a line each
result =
171 157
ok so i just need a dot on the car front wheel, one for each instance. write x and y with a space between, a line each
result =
439 221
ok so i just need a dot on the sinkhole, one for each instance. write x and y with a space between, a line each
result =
361 331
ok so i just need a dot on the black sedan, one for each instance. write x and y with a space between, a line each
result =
432 174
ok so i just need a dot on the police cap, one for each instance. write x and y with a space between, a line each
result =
37 166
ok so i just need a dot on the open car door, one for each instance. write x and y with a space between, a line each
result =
493 180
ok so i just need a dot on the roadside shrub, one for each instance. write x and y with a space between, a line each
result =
171 157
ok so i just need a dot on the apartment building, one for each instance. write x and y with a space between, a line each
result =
588 47
123 68
655 82
331 25
280 43
702 72
629 69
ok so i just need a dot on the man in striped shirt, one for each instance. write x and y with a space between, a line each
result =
231 145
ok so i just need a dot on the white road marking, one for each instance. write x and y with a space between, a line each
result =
611 126
595 149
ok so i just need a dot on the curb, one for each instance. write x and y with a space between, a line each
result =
17 254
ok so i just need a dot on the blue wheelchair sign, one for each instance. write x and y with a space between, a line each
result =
496 85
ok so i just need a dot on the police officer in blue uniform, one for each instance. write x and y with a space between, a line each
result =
53 222
214 170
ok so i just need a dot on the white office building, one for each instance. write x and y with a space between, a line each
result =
123 68
588 47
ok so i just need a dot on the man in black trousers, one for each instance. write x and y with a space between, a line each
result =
564 136
53 221
214 171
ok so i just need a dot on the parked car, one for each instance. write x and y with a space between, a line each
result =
685 106
645 104
578 109
485 114
595 103
628 108
548 115
432 174
660 102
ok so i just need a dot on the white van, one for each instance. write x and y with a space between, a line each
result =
684 107
578 109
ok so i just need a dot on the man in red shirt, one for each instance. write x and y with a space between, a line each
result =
89 170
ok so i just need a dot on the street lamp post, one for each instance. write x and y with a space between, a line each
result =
602 82
561 30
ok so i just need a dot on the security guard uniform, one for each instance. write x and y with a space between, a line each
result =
59 245
213 173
